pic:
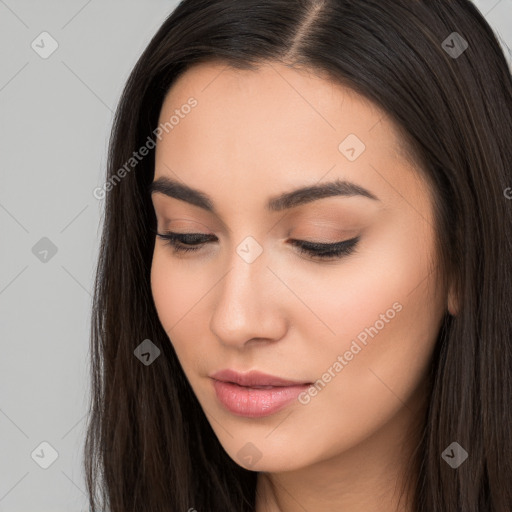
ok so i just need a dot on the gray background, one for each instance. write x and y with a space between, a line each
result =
56 115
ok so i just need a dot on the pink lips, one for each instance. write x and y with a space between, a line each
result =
255 394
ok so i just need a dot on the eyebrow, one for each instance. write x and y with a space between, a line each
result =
297 197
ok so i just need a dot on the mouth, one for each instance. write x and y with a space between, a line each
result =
255 379
255 394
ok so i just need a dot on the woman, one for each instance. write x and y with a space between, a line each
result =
304 290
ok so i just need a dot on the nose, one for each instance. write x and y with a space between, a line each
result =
249 305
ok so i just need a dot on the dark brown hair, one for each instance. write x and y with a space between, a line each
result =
149 446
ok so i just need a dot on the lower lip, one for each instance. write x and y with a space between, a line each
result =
254 402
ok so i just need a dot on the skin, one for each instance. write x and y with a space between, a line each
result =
254 135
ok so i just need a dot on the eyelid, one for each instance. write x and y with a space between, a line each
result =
316 251
293 241
185 223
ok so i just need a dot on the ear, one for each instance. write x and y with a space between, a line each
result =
453 300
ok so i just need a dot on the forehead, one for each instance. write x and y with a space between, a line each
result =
273 128
277 92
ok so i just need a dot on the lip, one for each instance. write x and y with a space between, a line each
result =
255 394
254 378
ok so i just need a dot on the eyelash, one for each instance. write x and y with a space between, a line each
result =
188 242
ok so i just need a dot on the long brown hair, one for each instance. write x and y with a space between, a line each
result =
149 446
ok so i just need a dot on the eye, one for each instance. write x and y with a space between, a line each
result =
188 242
185 242
327 251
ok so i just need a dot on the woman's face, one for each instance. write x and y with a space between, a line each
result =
358 326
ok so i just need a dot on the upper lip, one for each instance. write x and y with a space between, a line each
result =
254 378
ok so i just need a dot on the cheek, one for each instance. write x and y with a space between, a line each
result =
391 305
177 292
167 286
362 385
383 292
386 310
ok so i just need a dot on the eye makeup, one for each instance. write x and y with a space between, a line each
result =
183 243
